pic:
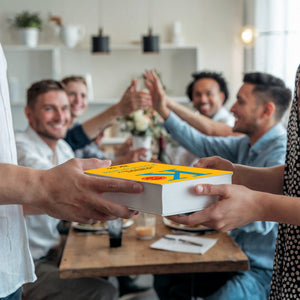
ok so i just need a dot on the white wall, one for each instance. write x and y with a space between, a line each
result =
212 24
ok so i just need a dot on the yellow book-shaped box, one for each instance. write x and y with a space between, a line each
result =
168 189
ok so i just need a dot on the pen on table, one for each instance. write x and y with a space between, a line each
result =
183 241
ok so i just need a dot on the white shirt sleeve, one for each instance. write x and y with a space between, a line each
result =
16 265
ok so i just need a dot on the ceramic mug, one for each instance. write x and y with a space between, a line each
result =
72 34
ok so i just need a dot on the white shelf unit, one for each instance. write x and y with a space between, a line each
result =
27 65
111 73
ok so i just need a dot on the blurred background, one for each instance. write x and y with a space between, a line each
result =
193 35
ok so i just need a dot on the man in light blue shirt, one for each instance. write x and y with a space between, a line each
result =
261 103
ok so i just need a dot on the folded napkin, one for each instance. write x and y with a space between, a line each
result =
184 243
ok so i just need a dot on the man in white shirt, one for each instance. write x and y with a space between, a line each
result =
208 92
41 191
42 146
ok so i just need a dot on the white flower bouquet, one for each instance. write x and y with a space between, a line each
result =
143 123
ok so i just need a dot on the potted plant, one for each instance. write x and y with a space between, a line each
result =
29 25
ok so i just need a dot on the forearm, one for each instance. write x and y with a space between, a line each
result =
279 208
163 110
19 185
193 140
95 125
200 122
269 180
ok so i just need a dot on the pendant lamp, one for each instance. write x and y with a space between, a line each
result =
100 43
150 42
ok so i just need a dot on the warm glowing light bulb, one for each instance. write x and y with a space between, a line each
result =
248 35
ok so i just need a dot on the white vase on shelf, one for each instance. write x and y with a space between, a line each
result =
143 142
178 38
30 36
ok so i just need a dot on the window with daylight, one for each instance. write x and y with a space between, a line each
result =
277 46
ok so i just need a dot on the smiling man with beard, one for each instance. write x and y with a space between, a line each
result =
42 146
261 103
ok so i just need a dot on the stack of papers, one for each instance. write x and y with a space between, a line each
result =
184 243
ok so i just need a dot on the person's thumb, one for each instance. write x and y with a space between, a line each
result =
210 189
133 86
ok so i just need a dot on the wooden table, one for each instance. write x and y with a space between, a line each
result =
89 255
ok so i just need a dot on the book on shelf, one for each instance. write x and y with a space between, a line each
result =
168 189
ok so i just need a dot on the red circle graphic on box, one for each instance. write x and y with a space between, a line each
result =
154 178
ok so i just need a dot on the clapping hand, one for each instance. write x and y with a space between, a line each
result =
157 92
133 99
